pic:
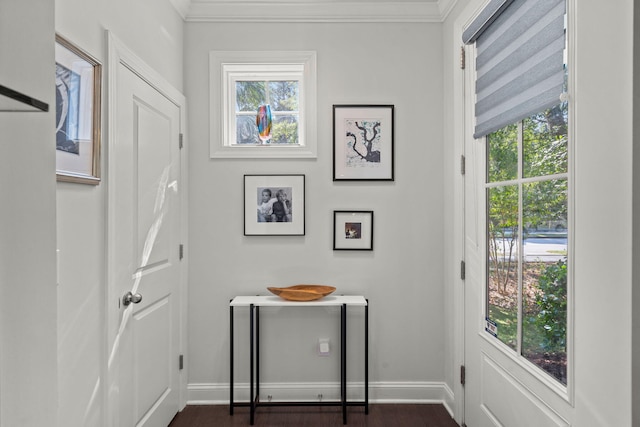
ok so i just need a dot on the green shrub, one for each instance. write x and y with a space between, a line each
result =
552 302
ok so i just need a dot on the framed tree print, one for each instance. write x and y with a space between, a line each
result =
363 138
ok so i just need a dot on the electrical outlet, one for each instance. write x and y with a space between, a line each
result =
323 347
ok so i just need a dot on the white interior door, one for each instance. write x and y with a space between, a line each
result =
144 253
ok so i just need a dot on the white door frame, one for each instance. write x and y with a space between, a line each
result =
458 177
120 54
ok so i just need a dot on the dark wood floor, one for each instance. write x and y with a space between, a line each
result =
382 415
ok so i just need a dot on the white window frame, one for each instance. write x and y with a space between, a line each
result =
228 67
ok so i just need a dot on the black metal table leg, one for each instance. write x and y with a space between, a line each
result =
231 360
252 406
343 362
257 353
366 358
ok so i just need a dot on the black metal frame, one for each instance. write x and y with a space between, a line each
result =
254 363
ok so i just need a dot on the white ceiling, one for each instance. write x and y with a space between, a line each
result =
313 10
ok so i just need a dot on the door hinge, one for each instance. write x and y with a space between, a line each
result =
181 141
463 164
463 61
463 270
463 375
181 362
181 251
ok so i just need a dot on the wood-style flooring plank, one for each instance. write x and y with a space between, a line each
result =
380 415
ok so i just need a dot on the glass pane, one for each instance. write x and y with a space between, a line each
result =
250 95
283 95
544 285
502 164
285 129
544 145
246 130
503 250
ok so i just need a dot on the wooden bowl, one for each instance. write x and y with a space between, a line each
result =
302 292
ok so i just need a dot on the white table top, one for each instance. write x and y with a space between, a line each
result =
274 301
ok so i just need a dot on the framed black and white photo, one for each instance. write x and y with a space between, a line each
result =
353 230
363 142
78 100
274 205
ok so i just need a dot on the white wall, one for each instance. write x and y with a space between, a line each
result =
28 381
603 212
398 64
154 31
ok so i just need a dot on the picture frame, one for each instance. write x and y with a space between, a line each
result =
274 205
363 142
78 113
352 230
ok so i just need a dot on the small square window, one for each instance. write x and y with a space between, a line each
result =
242 83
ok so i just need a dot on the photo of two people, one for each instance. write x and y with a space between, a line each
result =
274 204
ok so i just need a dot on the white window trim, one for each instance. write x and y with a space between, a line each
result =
225 67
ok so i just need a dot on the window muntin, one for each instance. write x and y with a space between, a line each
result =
527 228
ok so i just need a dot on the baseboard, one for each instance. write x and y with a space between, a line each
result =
379 392
449 400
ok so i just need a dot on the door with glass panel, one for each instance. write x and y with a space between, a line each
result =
516 296
517 217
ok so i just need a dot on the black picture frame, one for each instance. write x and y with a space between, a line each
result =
363 142
274 216
352 230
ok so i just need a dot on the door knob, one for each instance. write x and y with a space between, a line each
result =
129 298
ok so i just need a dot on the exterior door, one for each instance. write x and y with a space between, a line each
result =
500 388
144 254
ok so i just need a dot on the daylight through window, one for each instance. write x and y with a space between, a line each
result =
281 96
527 234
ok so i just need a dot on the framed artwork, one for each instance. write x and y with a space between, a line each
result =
274 205
78 100
352 230
363 142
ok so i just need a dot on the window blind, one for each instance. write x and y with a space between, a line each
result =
519 61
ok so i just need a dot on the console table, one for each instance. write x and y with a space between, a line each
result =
254 303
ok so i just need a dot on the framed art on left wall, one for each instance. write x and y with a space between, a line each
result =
78 101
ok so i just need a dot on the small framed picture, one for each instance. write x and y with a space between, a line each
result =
353 230
363 142
274 205
78 100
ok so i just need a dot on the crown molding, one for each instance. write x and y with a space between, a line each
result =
182 6
445 7
314 11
